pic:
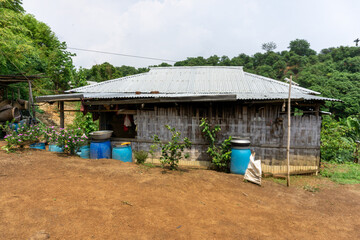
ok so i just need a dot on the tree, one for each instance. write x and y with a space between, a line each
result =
14 5
29 46
301 47
270 46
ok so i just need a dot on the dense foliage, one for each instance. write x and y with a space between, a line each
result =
336 143
85 122
28 46
220 153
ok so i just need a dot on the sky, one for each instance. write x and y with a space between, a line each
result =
177 29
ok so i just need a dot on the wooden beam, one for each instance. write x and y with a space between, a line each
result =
31 101
226 98
62 115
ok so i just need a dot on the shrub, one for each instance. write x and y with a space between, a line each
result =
51 136
84 122
220 154
25 134
172 151
140 156
71 140
336 145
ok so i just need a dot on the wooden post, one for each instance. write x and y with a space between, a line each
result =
31 101
289 133
62 116
18 93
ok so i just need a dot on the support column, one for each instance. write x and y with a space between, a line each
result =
31 102
62 116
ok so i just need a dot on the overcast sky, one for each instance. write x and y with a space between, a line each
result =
177 29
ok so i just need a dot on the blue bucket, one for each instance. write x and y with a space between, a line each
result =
122 153
38 146
84 152
55 148
100 149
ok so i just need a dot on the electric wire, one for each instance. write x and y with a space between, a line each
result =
121 54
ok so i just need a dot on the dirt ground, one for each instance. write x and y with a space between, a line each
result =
51 115
48 195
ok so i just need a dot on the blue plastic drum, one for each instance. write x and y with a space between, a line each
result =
100 149
55 148
84 152
122 153
38 146
240 156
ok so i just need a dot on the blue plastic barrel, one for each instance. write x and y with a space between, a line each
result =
55 148
14 126
100 149
38 146
122 153
240 156
84 152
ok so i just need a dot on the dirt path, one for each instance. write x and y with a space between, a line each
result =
73 198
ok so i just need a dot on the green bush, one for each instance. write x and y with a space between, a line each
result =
336 143
140 156
172 151
71 140
220 154
85 122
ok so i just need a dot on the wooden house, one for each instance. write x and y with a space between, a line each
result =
244 105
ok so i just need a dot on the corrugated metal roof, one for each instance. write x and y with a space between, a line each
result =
187 82
193 80
244 96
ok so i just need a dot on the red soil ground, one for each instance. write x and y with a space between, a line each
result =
45 194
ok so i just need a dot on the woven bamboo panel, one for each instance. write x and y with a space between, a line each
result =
264 125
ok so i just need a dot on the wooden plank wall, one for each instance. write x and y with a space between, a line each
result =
264 125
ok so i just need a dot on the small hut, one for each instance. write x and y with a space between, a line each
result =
244 105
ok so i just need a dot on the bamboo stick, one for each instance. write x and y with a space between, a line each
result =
289 133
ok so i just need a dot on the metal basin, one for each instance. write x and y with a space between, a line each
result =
101 135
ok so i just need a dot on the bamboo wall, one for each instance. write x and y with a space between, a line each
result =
265 125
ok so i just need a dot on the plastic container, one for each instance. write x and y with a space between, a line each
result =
38 146
100 149
84 152
55 148
240 156
122 152
14 126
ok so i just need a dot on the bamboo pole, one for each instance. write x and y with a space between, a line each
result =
289 133
62 115
31 102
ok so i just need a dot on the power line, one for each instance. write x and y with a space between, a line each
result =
121 54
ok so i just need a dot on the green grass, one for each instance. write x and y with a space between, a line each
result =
348 173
